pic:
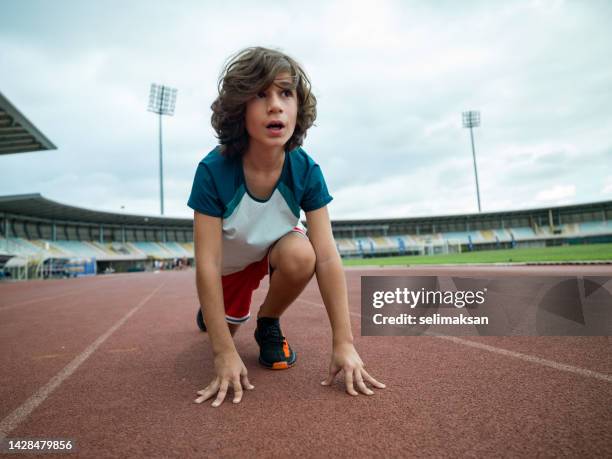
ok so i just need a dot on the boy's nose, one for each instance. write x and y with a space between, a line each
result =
275 105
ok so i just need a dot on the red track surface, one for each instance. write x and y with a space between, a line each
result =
132 396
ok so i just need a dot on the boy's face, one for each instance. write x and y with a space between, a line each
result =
271 115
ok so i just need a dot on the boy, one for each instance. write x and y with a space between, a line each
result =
247 194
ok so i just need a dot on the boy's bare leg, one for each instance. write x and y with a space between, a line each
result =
233 328
293 262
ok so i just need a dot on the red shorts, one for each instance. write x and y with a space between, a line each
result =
238 287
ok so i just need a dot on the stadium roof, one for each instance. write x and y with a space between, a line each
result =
598 206
17 134
35 205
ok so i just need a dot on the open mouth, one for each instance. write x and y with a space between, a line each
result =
275 125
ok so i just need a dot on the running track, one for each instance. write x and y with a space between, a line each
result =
114 362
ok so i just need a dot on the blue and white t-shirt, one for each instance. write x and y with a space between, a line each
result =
251 225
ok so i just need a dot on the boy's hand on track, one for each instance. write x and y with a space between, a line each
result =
230 371
345 357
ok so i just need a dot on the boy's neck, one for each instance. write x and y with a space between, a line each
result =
264 159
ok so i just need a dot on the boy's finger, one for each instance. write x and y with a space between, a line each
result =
361 385
348 379
246 383
200 392
237 390
213 383
205 394
332 374
221 395
372 380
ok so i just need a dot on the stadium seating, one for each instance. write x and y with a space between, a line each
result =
346 244
177 249
188 247
457 236
152 249
383 243
487 236
359 246
570 229
79 249
23 247
523 233
503 235
596 227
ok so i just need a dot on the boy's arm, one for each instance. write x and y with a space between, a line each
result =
229 367
332 284
207 251
330 275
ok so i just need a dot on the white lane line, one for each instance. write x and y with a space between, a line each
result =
498 350
528 358
10 422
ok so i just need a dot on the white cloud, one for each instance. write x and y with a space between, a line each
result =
559 194
607 187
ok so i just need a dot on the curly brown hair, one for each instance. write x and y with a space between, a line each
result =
246 73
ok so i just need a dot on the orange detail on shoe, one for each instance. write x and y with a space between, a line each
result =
279 365
286 349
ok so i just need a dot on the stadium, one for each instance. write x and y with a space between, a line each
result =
103 351
41 238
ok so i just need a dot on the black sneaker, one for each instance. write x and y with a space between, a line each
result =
200 320
274 351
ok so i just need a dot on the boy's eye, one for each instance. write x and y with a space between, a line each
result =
261 94
288 93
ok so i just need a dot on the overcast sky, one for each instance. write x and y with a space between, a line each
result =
391 79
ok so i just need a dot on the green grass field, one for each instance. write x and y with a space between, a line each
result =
592 252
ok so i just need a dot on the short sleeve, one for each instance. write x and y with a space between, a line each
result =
315 193
204 196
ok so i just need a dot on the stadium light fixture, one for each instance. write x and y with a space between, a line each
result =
471 119
162 100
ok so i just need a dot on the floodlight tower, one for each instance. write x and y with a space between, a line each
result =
162 100
471 120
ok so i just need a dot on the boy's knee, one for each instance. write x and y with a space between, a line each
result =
299 263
